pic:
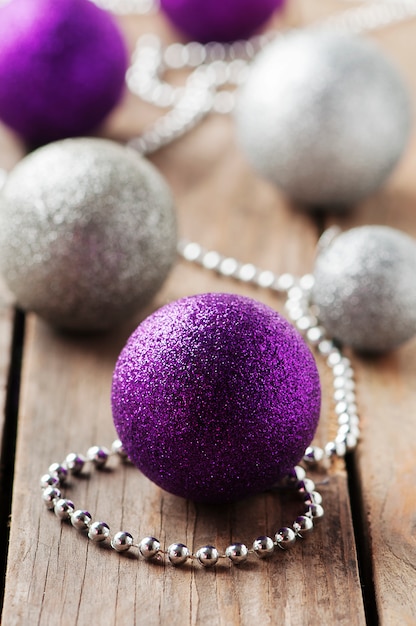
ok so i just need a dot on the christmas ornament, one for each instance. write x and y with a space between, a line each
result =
53 482
62 67
324 116
365 288
149 547
215 397
87 233
219 20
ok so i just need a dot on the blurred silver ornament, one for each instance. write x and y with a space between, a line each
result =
365 288
87 233
324 116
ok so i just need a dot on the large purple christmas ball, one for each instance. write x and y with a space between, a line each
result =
215 397
62 67
219 20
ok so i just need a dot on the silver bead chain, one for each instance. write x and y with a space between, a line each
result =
216 69
177 553
302 313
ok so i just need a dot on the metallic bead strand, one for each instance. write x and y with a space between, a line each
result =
215 65
176 553
300 311
194 104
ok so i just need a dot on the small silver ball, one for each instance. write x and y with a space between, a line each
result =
305 486
98 531
98 455
293 478
324 116
302 525
75 463
207 556
313 454
87 233
285 538
316 511
365 288
58 470
263 546
149 547
178 553
50 495
117 448
237 552
313 498
122 541
49 480
64 508
81 519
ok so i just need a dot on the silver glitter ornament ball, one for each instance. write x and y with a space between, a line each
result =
87 233
365 288
323 116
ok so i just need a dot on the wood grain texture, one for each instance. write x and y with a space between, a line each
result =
56 577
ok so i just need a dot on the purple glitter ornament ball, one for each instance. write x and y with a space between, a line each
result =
219 20
215 397
62 67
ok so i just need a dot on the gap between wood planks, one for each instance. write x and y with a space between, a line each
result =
362 542
8 449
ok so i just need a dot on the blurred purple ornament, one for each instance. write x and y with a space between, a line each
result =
62 67
219 20
215 397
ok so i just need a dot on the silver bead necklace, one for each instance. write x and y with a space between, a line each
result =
177 553
214 68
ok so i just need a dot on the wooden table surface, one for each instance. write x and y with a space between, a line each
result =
357 568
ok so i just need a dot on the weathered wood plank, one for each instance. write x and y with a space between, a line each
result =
387 395
385 458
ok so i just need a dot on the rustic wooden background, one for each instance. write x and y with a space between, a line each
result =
359 565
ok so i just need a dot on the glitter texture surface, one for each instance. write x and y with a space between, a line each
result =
62 67
215 397
219 20
324 116
365 288
87 233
